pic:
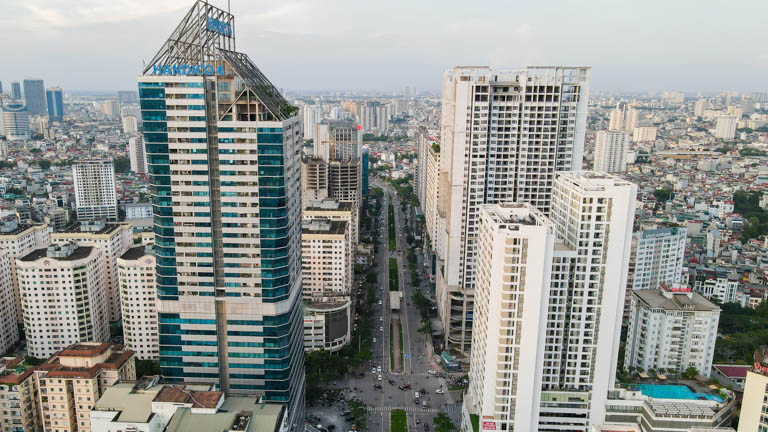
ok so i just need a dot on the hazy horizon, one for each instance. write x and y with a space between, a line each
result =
342 45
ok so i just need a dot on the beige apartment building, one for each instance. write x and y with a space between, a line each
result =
138 298
63 297
113 239
18 396
71 381
19 240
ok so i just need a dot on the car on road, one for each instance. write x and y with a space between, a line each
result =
374 340
431 372
379 377
439 391
380 302
416 395
373 371
381 328
381 318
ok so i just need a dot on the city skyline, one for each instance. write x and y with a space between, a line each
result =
629 60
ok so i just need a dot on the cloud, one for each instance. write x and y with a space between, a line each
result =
57 15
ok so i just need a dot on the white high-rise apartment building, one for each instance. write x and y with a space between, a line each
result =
333 210
700 107
548 308
593 215
657 258
20 240
130 124
326 261
311 115
754 403
611 151
9 331
111 107
726 126
505 135
113 240
631 119
420 176
326 268
644 134
623 118
63 297
95 192
374 118
515 249
137 154
432 193
616 119
138 298
227 214
671 328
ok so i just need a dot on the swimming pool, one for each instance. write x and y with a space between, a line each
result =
669 391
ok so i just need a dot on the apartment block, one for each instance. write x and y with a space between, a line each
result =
19 397
71 381
548 306
671 328
114 239
9 331
516 247
657 258
754 403
432 194
327 269
334 210
726 126
504 137
19 240
95 192
138 297
63 297
611 151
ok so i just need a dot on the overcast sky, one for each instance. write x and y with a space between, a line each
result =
689 45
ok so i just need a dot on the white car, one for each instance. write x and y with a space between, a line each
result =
381 318
381 328
379 377
380 302
439 391
373 371
374 340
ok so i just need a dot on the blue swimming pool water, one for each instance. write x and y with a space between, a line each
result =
668 391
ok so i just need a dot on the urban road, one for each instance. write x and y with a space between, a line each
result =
417 352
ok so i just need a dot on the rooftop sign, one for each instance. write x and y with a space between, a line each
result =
219 27
186 70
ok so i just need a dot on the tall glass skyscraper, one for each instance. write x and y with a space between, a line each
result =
34 95
55 101
223 157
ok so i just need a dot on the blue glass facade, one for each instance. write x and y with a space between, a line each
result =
152 101
364 171
264 353
55 101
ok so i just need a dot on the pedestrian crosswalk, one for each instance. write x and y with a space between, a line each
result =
414 410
